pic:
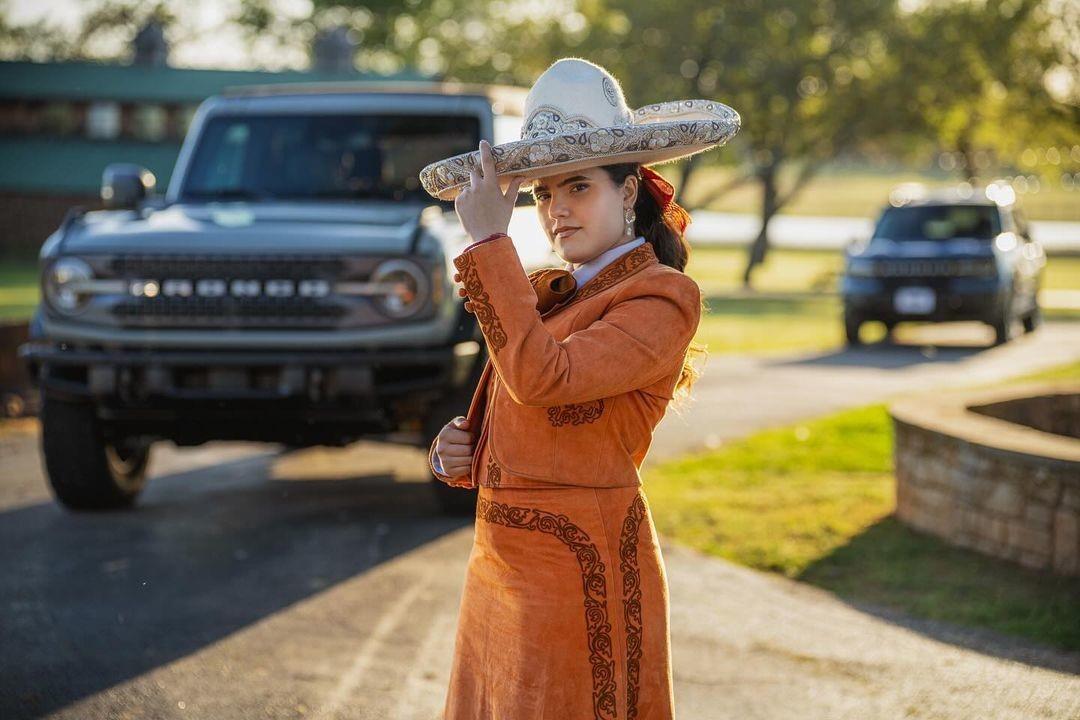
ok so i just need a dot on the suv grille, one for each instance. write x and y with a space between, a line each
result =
301 297
950 267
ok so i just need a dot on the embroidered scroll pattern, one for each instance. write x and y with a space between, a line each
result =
616 271
480 301
575 413
631 591
494 473
684 127
593 581
548 121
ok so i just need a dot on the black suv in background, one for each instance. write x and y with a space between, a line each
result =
953 255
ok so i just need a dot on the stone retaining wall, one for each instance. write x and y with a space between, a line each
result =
985 483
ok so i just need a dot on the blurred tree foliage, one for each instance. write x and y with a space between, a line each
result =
974 78
104 33
468 40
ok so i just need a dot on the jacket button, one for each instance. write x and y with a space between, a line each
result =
457 277
462 292
468 306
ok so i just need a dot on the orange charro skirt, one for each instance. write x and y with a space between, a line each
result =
565 610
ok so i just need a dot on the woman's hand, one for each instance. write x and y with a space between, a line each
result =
454 447
483 208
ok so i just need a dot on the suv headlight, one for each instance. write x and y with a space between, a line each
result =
406 287
861 267
66 284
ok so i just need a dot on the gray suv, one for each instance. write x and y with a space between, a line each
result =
945 256
293 285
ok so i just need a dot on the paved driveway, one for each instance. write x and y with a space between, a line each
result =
323 583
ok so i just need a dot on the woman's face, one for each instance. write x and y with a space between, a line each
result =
583 212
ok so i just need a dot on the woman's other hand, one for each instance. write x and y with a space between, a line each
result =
454 447
483 208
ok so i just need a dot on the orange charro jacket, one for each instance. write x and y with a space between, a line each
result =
575 382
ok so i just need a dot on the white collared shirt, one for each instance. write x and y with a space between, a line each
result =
587 270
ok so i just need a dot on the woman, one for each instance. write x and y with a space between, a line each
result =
565 610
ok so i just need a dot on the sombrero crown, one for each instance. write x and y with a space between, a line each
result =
576 117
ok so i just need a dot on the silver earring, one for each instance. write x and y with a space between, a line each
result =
630 217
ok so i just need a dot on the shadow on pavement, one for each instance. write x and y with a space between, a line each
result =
91 600
891 563
887 354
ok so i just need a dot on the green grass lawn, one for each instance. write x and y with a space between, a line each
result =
769 322
766 326
764 322
815 500
1062 273
719 269
18 290
1069 371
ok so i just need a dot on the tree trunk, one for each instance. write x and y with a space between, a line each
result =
760 247
967 151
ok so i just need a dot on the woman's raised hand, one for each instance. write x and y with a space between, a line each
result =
483 208
454 447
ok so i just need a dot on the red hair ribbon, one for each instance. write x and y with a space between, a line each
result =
673 213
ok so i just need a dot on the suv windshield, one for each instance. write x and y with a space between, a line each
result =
254 157
939 222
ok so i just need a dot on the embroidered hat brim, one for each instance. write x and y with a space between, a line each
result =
658 133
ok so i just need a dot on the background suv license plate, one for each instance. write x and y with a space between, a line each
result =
914 300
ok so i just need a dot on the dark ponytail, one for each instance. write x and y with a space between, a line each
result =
670 247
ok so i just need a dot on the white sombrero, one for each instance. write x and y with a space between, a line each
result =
576 117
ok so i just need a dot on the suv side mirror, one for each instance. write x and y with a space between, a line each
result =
125 185
854 245
524 199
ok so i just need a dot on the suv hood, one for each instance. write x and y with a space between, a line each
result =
376 227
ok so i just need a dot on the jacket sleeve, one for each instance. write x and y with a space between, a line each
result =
641 337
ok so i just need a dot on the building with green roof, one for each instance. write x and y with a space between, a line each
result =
61 123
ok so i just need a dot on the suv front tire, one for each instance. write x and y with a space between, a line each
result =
1033 320
86 471
852 323
1003 322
